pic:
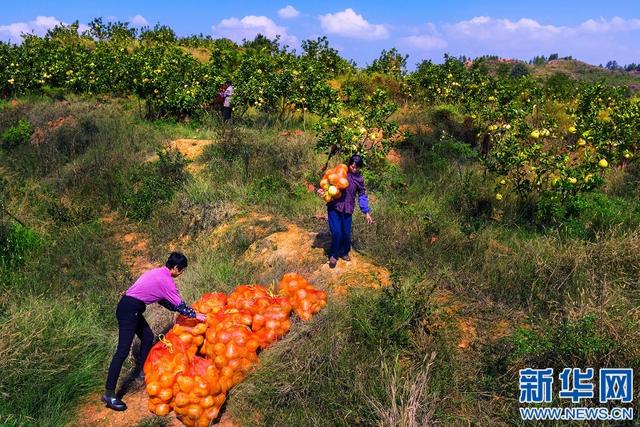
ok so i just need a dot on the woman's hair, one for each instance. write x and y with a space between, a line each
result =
228 82
357 160
177 259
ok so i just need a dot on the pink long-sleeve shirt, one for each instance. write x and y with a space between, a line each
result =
155 285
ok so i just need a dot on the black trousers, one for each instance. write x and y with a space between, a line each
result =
130 322
226 113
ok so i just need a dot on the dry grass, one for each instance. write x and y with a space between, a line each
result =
408 404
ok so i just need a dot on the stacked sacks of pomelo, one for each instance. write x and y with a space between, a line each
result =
232 346
198 397
273 322
270 313
166 360
190 332
213 303
305 299
193 367
334 182
249 297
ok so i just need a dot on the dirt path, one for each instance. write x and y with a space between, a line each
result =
296 249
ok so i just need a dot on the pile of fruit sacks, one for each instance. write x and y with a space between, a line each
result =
191 369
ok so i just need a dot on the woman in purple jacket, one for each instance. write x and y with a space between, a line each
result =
156 285
340 212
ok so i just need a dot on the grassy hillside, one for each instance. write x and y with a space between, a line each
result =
479 289
570 69
579 70
505 199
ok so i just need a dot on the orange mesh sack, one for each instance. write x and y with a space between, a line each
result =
233 348
244 297
305 299
273 322
165 361
198 395
191 332
334 182
212 303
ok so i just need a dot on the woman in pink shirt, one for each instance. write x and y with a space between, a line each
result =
156 285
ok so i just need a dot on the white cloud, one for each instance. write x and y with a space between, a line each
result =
288 12
139 21
595 40
349 24
46 22
526 29
486 28
424 42
39 26
250 26
616 24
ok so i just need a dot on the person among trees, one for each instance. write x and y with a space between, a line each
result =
156 285
340 211
219 101
226 106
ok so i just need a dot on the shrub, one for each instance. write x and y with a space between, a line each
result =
155 183
386 176
18 134
583 341
519 70
447 120
269 187
16 241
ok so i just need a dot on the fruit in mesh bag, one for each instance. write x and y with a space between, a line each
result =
166 360
191 332
334 182
213 302
221 321
229 316
244 297
309 301
305 299
273 322
198 395
233 349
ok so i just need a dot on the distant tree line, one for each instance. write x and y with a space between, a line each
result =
541 60
614 66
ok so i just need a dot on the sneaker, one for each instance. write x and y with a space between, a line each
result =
332 262
114 403
346 257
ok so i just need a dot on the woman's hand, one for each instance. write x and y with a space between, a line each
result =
368 217
201 317
320 192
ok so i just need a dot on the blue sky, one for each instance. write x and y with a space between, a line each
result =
593 31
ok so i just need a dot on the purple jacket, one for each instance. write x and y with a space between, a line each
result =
347 201
155 285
